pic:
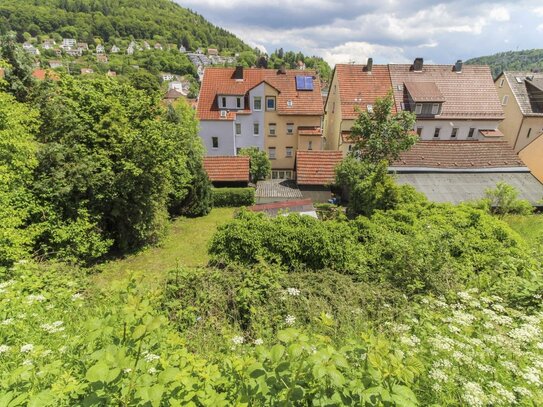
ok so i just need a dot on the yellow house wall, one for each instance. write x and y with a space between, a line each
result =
513 115
532 155
332 116
534 123
282 140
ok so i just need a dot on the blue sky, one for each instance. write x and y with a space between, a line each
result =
387 30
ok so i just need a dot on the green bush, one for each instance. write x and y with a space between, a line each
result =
233 197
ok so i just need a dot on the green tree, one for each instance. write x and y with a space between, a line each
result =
18 75
504 200
260 165
380 134
144 80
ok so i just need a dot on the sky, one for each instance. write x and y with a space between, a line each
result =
389 31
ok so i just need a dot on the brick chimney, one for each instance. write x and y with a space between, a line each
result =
418 64
458 66
282 70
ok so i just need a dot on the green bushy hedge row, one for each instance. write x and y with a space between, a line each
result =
233 197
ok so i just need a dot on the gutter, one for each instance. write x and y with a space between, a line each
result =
402 170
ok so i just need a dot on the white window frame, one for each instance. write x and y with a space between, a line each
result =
256 129
268 98
502 81
289 151
270 155
435 108
437 132
290 128
505 100
418 108
272 129
454 132
238 129
419 130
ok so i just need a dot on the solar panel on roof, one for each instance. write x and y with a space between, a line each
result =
304 82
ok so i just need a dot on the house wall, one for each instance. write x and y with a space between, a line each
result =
332 116
231 102
513 115
282 139
533 125
532 155
317 193
428 128
247 121
224 130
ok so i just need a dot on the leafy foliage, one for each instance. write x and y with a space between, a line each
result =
503 200
524 60
260 164
223 197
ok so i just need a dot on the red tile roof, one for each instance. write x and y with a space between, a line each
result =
42 74
227 168
316 167
469 94
359 88
220 81
309 131
459 154
491 133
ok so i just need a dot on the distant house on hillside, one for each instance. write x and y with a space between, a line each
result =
30 49
146 45
167 76
451 102
100 49
48 44
278 111
172 95
86 71
212 51
83 46
521 95
55 64
182 49
68 43
115 49
102 58
158 46
74 52
111 74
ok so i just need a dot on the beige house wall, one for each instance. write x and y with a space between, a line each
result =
513 115
531 129
282 139
532 155
332 116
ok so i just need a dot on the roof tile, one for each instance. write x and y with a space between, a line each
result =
227 168
316 167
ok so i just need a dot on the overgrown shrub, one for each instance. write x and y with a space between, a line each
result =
233 197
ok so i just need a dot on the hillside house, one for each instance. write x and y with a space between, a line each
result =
451 102
115 49
100 49
55 64
48 44
521 95
86 71
278 111
68 43
102 58
158 46
83 46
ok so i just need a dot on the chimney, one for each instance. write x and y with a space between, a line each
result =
458 66
369 65
282 69
418 64
238 73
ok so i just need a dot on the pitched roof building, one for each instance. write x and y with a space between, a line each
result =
265 108
227 169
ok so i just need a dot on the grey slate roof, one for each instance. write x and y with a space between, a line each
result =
520 89
277 188
461 187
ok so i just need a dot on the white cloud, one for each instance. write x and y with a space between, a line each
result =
538 11
500 14
359 52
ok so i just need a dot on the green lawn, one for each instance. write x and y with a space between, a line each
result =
185 245
530 227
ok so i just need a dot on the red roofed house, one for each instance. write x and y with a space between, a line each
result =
451 102
315 173
227 170
278 111
43 74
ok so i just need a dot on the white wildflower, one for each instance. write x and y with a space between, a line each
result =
27 362
77 296
464 296
63 349
474 395
438 375
498 307
7 321
238 340
258 342
127 370
454 329
293 291
436 387
150 357
463 318
531 375
27 348
35 297
522 391
152 370
53 327
3 349
411 341
525 333
504 395
46 353
6 284
290 320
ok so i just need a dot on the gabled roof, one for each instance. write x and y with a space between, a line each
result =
221 81
227 168
316 167
173 94
525 96
459 155
42 74
359 87
424 92
468 94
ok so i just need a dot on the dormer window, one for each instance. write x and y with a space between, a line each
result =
238 103
435 108
223 101
418 108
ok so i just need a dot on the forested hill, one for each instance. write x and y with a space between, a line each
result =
511 61
161 20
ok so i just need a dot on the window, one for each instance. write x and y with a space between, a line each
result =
333 107
289 103
270 102
238 103
436 132
454 132
310 145
501 82
257 103
256 129
289 151
238 129
435 108
290 128
369 108
419 131
529 131
505 100
223 99
418 108
272 129
281 174
471 131
215 142
271 153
